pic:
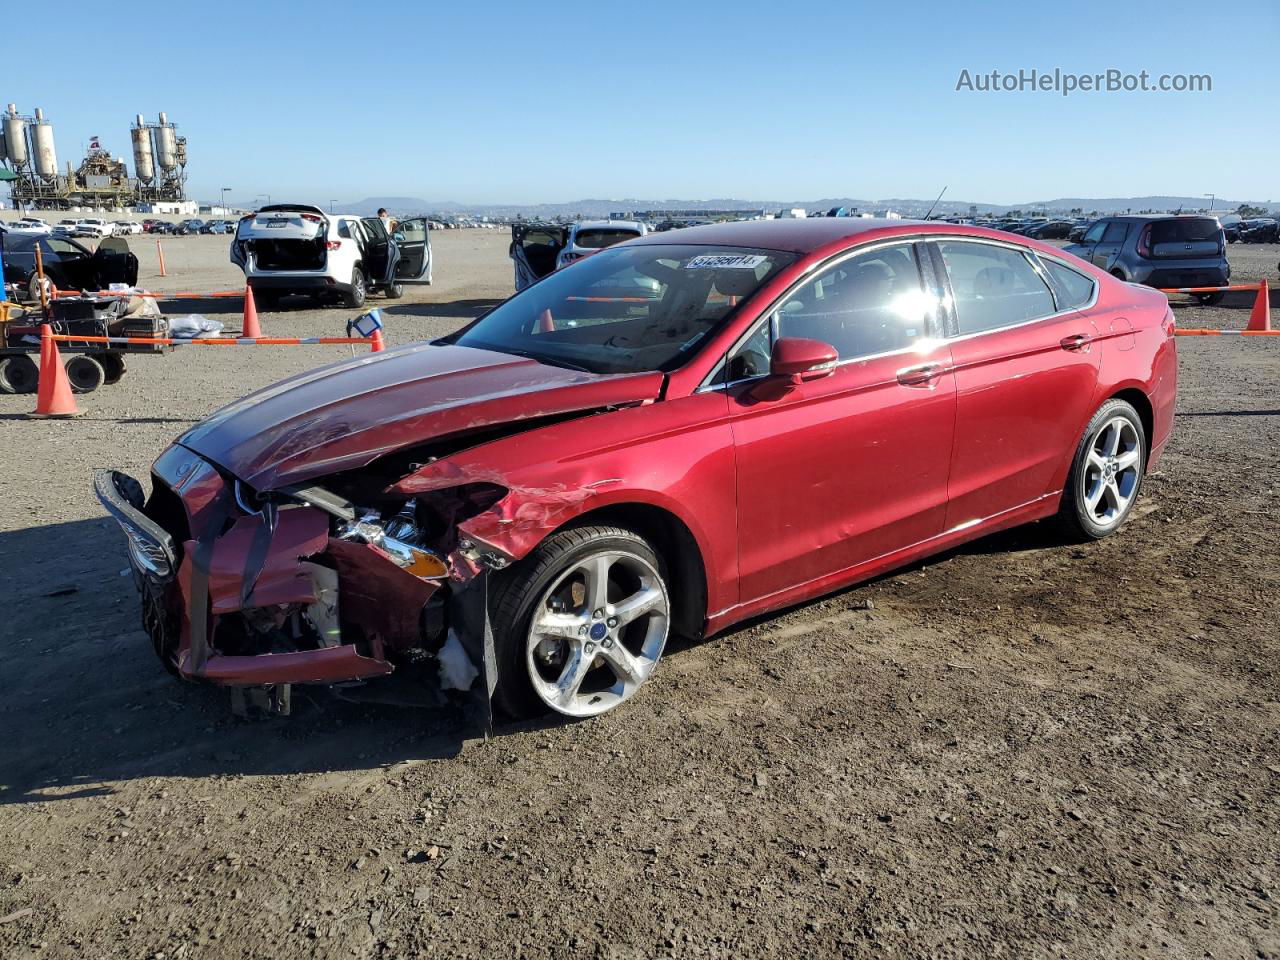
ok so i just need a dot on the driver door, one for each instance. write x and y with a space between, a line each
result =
838 472
413 237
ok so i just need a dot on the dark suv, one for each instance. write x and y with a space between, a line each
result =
1159 251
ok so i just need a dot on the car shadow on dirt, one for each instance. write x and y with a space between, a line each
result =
84 703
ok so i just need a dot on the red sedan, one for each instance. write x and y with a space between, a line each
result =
678 433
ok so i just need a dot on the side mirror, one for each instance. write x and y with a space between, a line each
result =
799 359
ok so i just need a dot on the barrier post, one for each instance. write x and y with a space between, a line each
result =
1260 316
160 254
375 342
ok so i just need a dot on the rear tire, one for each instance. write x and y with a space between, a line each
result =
19 374
395 291
355 296
1106 474
85 373
610 580
1209 299
266 301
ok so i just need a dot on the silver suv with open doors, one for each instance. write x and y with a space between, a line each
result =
290 248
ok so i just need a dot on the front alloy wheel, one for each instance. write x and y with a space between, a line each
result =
582 624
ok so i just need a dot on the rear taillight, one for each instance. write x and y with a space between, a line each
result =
1144 242
311 216
333 245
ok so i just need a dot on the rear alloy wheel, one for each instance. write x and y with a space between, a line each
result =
19 374
1209 299
113 366
1106 473
580 624
85 373
354 297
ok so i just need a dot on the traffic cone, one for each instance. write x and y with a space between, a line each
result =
1260 316
249 327
375 342
53 397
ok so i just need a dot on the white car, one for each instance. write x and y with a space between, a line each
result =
542 248
124 227
65 228
93 227
26 225
288 248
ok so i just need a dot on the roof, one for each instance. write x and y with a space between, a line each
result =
801 235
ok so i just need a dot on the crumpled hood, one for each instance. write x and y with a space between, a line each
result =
350 413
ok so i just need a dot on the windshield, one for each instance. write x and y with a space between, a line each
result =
626 309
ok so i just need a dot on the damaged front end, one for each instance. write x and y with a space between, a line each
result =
304 584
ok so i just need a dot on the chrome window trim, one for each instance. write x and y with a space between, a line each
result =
769 315
1027 253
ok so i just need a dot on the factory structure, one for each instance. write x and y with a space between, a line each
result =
101 181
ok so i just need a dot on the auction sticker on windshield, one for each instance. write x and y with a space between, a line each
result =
725 261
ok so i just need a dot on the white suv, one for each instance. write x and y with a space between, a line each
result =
288 248
93 227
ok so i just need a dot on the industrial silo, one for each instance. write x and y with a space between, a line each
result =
45 157
15 137
166 145
144 166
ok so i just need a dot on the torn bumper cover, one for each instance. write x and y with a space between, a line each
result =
287 594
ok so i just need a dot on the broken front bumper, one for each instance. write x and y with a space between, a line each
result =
268 598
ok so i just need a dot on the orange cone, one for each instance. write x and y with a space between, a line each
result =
1260 316
53 397
249 327
375 342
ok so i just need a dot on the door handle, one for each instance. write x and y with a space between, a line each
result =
1075 342
920 376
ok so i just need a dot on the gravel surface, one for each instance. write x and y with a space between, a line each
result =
1020 749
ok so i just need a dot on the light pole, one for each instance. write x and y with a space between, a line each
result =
331 207
225 191
1212 199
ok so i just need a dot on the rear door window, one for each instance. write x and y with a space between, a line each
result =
1116 231
1094 233
993 286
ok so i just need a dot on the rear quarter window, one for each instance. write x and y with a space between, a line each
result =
1075 289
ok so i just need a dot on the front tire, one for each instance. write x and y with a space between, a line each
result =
1209 299
113 365
1106 473
355 296
394 291
580 624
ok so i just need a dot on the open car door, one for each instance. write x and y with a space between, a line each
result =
381 253
114 262
534 249
413 237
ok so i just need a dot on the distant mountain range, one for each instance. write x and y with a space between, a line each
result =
907 207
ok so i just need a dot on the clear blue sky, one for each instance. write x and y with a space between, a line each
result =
556 101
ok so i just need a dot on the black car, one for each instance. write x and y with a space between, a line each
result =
1159 251
1262 230
67 264
1050 230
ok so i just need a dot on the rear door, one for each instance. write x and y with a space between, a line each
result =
414 240
534 250
1026 371
1112 239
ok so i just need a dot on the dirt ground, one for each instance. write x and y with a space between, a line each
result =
1021 749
